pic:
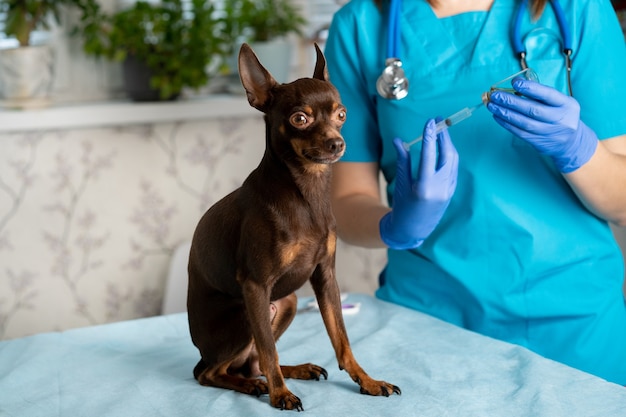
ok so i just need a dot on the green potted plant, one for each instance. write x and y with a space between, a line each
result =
26 67
264 20
163 46
266 26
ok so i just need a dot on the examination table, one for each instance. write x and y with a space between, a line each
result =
144 368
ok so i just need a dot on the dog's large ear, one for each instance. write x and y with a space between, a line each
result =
256 80
320 72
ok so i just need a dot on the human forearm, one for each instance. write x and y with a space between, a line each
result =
550 122
419 201
358 217
357 203
600 184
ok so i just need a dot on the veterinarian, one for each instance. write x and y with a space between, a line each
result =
514 242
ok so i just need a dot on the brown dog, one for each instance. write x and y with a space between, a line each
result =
262 242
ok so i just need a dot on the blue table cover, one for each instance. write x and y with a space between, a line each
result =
144 368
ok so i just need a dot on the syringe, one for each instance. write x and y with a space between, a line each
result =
462 114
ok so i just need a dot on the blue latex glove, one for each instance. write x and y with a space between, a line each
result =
418 205
548 120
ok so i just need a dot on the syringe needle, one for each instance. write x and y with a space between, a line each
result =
462 114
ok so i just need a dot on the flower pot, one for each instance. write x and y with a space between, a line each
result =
137 76
26 75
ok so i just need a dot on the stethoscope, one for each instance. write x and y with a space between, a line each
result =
393 84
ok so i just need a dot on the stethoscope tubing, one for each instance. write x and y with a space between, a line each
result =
392 82
394 39
516 36
566 36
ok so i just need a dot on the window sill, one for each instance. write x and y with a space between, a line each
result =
116 113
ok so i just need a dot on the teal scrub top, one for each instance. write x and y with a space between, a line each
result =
516 256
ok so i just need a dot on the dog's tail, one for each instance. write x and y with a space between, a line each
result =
200 367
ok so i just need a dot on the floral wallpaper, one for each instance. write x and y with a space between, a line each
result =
89 218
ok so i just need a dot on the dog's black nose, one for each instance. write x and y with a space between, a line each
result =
334 146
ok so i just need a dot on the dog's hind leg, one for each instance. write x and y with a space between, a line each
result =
286 308
305 371
220 330
226 375
257 300
282 313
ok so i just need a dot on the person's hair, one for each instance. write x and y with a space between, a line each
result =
536 6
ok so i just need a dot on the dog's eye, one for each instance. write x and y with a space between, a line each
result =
299 119
341 115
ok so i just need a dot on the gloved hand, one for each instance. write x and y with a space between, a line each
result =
548 120
418 205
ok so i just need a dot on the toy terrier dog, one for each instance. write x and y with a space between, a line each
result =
254 248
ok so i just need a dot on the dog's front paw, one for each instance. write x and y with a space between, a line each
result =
373 387
285 400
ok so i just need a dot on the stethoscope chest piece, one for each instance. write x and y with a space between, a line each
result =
392 83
